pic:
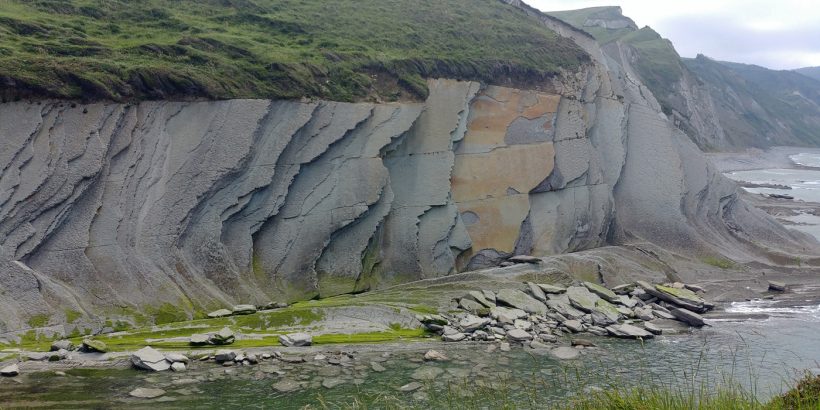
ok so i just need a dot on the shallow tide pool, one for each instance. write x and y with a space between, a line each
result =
762 345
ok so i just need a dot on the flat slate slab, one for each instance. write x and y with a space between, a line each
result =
602 292
551 289
582 298
565 353
687 316
520 300
628 332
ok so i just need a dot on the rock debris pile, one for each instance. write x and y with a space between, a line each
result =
542 313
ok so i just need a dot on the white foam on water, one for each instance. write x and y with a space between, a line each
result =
806 159
810 312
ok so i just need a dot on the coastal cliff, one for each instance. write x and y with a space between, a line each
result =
113 210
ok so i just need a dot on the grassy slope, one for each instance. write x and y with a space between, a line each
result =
341 50
658 63
783 97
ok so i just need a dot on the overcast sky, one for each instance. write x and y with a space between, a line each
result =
779 34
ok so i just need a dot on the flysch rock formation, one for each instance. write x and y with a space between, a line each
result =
107 209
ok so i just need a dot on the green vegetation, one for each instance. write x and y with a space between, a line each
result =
343 50
261 329
371 337
71 315
719 262
504 395
38 320
805 396
657 62
167 313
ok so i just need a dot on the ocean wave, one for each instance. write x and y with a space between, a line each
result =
806 159
770 308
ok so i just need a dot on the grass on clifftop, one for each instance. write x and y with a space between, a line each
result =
344 50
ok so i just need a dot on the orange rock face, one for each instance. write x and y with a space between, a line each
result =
506 152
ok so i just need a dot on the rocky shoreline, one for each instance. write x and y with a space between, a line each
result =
542 331
509 317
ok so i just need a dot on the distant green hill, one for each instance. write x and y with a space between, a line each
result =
812 72
657 62
341 49
753 106
758 102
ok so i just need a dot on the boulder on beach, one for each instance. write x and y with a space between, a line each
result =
518 335
628 331
687 316
582 298
225 336
575 326
198 340
602 292
525 259
286 386
146 393
219 313
177 357
244 309
536 292
506 315
551 289
435 355
472 323
296 339
10 371
149 358
481 297
777 286
453 337
93 345
61 344
521 300
565 353
225 356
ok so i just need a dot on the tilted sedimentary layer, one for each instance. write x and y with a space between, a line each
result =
107 209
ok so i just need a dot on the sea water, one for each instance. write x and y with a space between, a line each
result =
804 183
762 345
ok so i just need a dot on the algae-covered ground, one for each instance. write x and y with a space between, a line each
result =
377 316
341 50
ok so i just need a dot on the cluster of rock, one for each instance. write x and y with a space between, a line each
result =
60 350
149 358
225 336
245 309
544 312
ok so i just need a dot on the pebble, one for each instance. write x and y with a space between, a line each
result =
146 393
410 387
